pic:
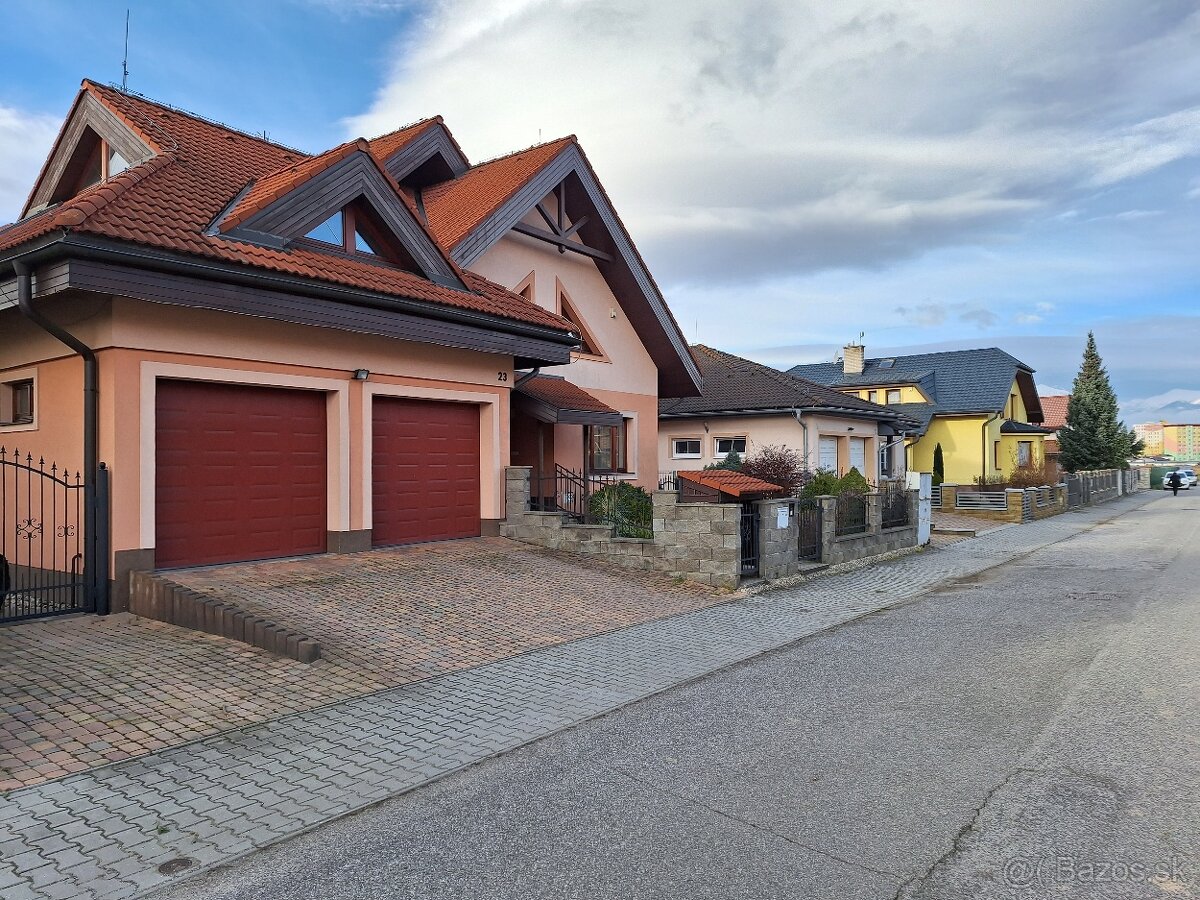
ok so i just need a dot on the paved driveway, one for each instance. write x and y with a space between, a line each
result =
88 691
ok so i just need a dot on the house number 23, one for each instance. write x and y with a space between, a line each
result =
502 376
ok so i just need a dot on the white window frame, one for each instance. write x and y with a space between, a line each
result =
675 454
837 452
850 463
718 453
7 381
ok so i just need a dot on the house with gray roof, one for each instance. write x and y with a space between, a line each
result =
981 406
744 406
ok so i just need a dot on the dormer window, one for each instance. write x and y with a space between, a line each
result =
116 162
355 231
331 231
94 161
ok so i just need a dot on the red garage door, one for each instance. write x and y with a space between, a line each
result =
240 473
425 471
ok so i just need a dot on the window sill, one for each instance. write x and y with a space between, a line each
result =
13 427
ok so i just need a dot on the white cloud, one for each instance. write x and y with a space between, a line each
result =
768 138
25 140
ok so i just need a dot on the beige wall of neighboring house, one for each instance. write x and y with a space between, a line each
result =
779 431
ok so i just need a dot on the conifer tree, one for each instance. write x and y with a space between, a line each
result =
1093 437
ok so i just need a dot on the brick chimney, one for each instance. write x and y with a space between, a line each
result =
852 359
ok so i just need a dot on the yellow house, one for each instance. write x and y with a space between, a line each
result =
981 406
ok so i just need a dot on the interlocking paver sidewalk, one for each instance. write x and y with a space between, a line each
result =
110 829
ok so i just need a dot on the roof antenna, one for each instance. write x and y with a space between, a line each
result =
125 61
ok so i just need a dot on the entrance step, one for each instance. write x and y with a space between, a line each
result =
153 596
961 532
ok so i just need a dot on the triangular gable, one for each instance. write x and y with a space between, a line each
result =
296 200
617 259
420 155
88 122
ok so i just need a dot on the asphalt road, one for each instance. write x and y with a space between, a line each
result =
1031 732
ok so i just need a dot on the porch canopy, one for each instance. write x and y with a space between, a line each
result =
551 398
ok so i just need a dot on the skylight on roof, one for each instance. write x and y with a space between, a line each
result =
329 231
887 363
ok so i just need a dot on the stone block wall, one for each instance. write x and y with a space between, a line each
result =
1014 509
778 544
696 541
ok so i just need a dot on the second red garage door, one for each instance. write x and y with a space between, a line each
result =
240 473
425 471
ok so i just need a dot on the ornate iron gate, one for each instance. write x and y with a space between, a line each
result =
43 540
749 532
808 518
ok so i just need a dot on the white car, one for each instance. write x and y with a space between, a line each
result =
1187 478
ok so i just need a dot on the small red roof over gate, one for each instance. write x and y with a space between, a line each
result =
735 484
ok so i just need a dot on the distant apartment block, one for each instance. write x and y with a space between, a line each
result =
1177 441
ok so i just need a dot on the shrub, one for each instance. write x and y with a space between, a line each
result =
1030 476
853 482
626 506
822 483
732 462
939 465
780 466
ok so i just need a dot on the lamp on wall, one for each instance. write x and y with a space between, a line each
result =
361 374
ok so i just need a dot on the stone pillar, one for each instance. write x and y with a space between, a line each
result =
949 493
1014 499
777 546
828 525
874 512
516 492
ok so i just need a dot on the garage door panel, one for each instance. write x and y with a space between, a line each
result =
425 471
240 473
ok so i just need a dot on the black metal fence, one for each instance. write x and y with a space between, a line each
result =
593 500
808 519
43 540
567 492
851 514
894 505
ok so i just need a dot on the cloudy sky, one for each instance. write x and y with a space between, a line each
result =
929 173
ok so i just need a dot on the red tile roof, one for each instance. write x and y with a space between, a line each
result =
735 484
561 394
456 207
169 201
1054 409
282 182
387 144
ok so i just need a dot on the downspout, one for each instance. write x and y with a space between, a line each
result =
799 414
521 379
91 418
983 440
